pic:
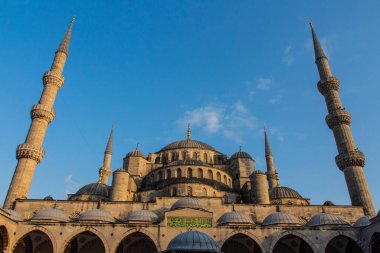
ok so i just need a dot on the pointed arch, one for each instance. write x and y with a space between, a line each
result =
242 243
85 231
375 242
119 240
292 242
137 242
85 242
4 239
343 244
35 240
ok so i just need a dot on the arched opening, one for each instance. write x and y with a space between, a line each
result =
4 239
200 173
137 243
159 175
179 173
85 242
292 244
168 174
205 159
375 243
174 191
195 155
218 177
240 243
225 179
189 173
189 191
210 175
33 242
343 244
157 160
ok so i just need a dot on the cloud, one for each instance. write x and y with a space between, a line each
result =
264 83
71 186
277 97
288 56
232 121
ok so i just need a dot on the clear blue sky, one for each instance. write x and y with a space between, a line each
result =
227 67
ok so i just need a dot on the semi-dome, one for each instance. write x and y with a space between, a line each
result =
325 219
51 214
142 216
96 215
94 189
235 218
192 241
363 221
281 218
14 215
187 202
187 144
240 154
283 192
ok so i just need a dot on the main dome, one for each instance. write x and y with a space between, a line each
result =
187 144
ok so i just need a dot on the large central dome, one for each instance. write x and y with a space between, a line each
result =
187 144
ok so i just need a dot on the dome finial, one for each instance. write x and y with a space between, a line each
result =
188 132
100 176
240 149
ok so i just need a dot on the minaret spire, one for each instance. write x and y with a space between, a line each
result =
30 153
188 132
65 43
350 160
272 174
105 170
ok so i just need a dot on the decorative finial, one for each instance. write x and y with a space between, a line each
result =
318 51
64 46
188 132
137 146
100 176
240 149
310 23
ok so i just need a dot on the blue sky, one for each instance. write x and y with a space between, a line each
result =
227 67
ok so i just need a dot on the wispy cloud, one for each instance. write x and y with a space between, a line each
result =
264 83
277 97
288 56
71 186
232 121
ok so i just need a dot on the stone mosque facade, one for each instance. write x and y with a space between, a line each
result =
187 196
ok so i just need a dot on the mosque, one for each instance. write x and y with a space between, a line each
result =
188 196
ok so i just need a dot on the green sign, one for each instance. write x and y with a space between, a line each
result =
189 222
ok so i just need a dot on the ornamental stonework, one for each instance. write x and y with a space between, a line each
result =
325 86
43 112
349 159
53 78
338 117
30 151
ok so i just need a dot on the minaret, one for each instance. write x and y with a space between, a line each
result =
105 170
30 153
272 174
350 160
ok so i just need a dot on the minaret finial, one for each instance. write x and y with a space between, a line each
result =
137 146
319 53
268 151
188 132
110 141
64 46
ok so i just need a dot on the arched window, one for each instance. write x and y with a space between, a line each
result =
200 173
210 175
189 191
229 182
4 238
174 156
159 175
28 244
168 174
286 244
240 243
179 173
85 242
205 158
174 191
136 242
204 192
195 155
218 177
184 155
189 173
224 179
158 160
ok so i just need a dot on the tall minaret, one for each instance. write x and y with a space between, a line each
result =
272 174
350 160
105 170
30 153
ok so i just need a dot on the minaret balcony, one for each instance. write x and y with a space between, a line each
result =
30 151
53 78
42 112
338 117
349 159
325 86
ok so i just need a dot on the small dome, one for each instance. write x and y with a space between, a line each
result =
235 218
135 153
96 215
193 241
144 216
51 214
14 215
187 144
328 203
363 221
187 202
281 218
240 154
48 198
94 189
283 192
323 219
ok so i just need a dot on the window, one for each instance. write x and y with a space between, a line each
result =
189 173
174 191
210 175
179 173
218 177
168 174
224 179
200 173
205 158
189 191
